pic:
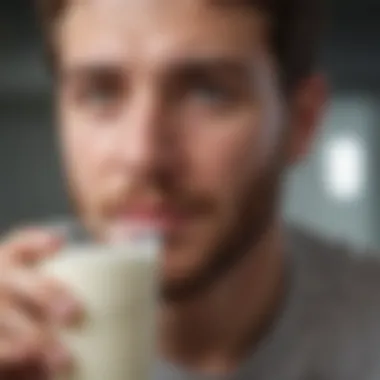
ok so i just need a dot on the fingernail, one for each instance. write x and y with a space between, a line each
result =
58 359
67 311
52 241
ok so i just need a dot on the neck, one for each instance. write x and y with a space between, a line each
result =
214 332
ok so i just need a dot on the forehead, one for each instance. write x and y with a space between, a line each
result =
157 31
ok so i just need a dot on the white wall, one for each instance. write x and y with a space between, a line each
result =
309 202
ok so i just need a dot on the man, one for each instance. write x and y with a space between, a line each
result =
185 114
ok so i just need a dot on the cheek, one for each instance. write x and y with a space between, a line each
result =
86 155
227 157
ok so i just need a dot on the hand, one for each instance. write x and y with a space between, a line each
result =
30 304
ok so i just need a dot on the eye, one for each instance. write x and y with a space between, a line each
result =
212 93
100 96
98 93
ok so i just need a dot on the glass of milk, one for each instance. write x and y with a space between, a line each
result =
118 287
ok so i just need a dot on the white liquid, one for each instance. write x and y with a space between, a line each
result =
118 288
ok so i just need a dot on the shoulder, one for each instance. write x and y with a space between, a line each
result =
341 303
350 273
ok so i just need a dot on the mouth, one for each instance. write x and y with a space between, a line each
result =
164 219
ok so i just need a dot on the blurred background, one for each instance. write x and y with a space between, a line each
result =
336 192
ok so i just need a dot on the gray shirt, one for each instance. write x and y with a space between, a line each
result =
329 327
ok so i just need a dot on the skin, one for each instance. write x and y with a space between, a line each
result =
173 125
183 125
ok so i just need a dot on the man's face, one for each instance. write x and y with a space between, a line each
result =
170 115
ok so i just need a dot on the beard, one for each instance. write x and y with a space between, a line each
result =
256 209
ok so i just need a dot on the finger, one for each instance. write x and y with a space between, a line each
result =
23 341
56 358
29 246
42 297
20 338
24 371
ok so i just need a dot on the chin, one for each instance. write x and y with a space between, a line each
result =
178 262
183 266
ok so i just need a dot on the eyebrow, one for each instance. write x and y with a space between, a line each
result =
208 61
240 3
222 68
100 69
256 4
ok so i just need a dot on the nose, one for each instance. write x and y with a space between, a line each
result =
144 142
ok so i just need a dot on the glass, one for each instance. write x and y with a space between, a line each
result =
117 284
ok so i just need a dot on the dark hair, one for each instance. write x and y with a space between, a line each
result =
296 34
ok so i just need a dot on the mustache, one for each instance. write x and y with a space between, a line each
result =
123 196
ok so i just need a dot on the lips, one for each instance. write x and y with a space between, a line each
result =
160 218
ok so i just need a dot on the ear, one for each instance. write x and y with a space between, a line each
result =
306 106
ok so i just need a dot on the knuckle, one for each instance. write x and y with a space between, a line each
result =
25 246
